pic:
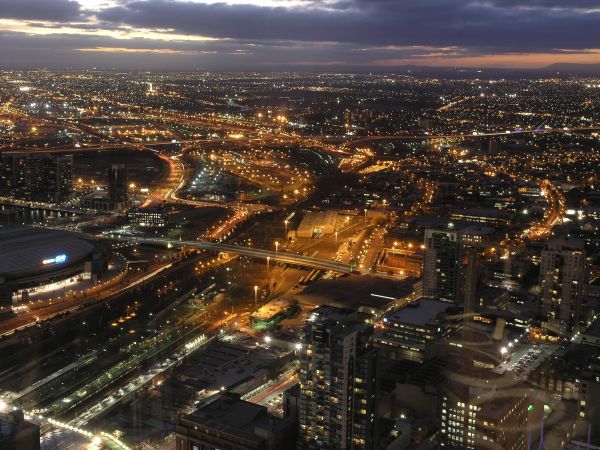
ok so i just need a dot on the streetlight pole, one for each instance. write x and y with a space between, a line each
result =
255 295
285 222
365 214
276 246
268 260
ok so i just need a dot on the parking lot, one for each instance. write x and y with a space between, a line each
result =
526 359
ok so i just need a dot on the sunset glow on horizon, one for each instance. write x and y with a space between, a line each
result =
275 34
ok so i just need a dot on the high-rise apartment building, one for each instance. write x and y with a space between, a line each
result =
562 274
117 184
338 382
37 177
442 265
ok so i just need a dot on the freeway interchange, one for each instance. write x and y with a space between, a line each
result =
79 390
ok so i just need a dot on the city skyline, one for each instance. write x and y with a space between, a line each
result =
299 225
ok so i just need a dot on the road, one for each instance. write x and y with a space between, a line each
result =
280 256
314 140
54 309
271 392
473 135
553 215
54 207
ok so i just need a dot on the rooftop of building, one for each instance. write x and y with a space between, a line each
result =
499 404
273 308
13 422
225 365
97 194
475 230
228 414
430 372
569 362
27 250
565 244
152 208
593 329
421 312
479 212
356 292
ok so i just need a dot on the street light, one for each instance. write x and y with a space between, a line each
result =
268 259
286 224
365 214
276 246
255 295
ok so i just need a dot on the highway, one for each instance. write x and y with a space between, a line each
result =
280 256
553 215
346 140
473 135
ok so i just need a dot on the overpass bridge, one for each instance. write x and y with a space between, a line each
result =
279 256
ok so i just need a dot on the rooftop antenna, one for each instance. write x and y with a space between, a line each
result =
542 435
589 436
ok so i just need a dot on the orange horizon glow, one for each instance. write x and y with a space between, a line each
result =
164 51
509 60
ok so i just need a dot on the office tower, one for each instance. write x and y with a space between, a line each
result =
442 265
18 434
338 366
476 418
38 177
64 178
562 274
117 183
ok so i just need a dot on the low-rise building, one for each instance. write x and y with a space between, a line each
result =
317 223
100 201
227 422
273 312
480 215
400 261
148 217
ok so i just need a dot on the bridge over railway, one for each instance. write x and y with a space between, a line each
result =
279 256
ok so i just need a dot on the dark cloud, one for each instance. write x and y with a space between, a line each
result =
354 33
55 10
508 25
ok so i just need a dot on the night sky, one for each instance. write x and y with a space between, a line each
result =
297 34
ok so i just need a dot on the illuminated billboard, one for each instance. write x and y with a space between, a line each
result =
58 259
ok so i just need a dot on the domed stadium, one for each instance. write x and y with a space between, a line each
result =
35 256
